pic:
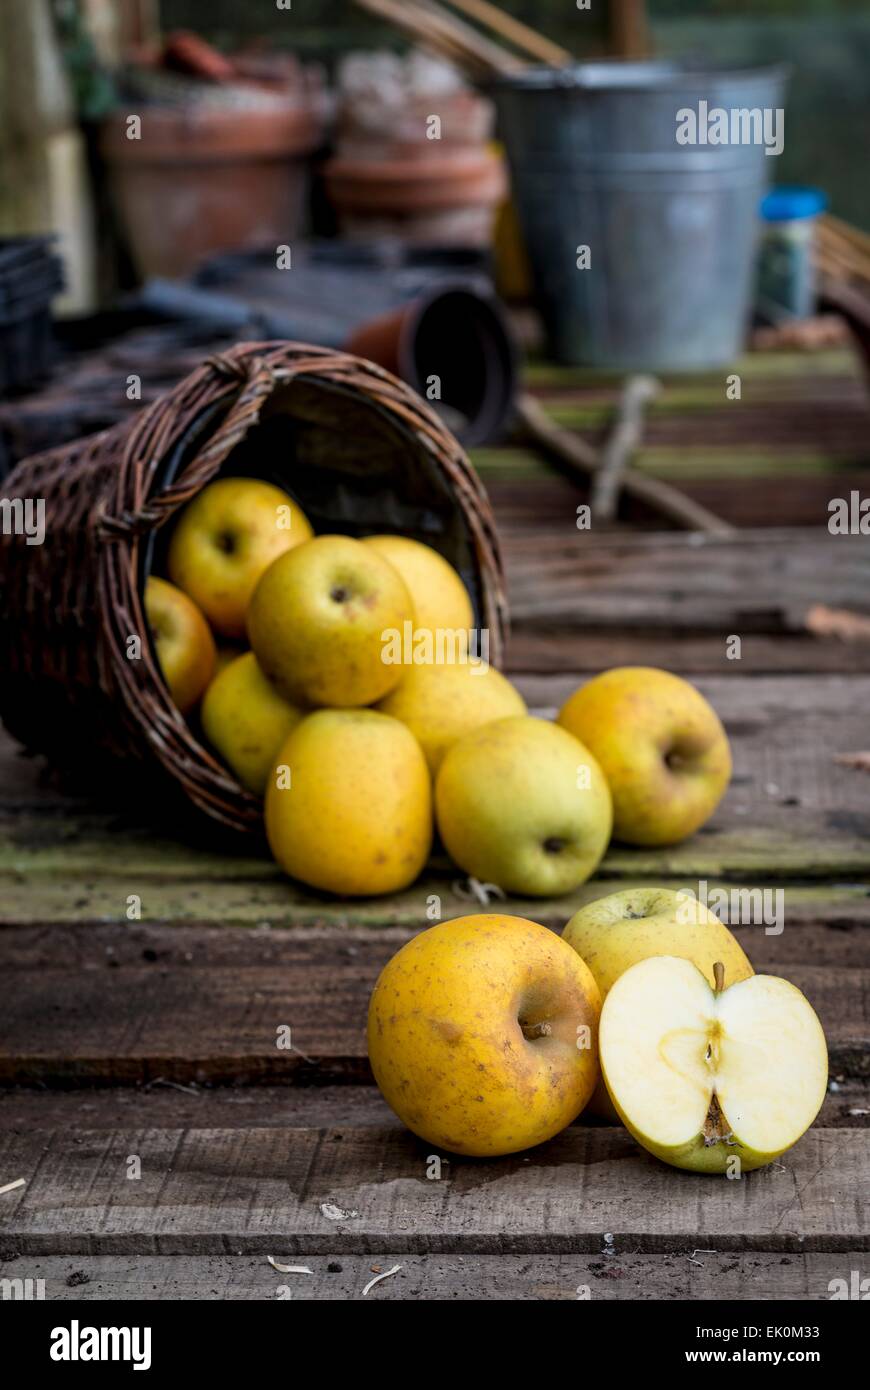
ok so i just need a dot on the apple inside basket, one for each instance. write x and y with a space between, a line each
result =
355 449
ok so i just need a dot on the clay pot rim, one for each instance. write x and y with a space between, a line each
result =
198 134
408 186
463 164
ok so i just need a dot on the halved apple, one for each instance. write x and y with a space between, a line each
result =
699 1075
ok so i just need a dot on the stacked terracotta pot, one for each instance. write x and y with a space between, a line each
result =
221 158
413 153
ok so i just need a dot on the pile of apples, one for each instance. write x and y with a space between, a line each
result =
487 1035
490 1033
362 742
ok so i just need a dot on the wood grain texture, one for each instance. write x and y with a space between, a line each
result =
759 582
162 1104
526 496
278 1190
556 651
626 1276
194 1011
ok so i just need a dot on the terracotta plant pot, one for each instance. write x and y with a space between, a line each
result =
449 198
467 331
216 177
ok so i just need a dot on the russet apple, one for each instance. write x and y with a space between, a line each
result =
615 932
702 1075
349 803
225 539
182 639
522 804
482 1034
247 721
319 619
440 598
441 703
661 747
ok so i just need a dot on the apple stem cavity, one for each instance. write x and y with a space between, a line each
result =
554 845
536 1030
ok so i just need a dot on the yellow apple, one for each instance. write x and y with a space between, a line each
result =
439 597
522 804
441 703
713 1080
349 804
247 721
182 639
224 540
321 619
482 1034
615 932
661 747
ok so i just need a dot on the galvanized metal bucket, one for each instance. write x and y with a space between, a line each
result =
671 227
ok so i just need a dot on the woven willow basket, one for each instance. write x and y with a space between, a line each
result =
358 450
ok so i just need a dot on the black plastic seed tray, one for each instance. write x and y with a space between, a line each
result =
30 276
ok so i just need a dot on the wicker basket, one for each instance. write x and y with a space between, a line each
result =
358 450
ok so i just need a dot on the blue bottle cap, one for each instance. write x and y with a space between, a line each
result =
786 204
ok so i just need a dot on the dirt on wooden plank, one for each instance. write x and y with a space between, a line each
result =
690 1274
371 1191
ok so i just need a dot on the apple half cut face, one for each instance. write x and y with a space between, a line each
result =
700 1075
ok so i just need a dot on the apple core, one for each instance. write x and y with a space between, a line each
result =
699 1075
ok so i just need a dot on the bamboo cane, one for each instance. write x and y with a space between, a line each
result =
520 35
429 23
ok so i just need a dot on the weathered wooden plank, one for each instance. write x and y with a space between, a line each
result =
685 1275
823 925
831 843
686 453
526 497
209 897
110 1020
163 1104
763 582
366 1192
752 366
554 651
790 813
709 393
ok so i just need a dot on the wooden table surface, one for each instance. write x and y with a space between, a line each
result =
168 1146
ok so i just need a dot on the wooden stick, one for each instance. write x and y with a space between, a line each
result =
842 249
861 761
621 444
581 459
823 621
478 45
517 33
843 229
432 25
629 28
